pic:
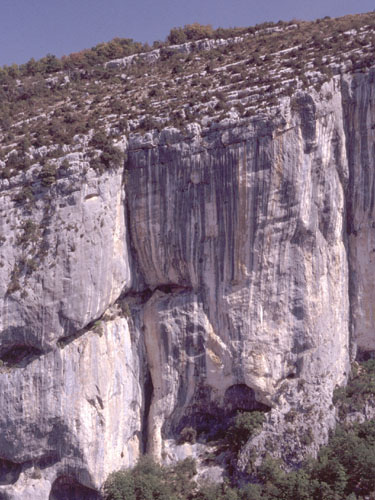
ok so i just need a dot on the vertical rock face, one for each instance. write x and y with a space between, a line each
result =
75 412
359 95
71 400
250 220
231 273
64 257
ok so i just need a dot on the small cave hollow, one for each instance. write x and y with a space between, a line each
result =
19 355
9 471
240 397
47 461
67 488
206 421
364 355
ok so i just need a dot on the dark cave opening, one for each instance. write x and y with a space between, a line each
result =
363 355
9 471
67 488
19 355
209 421
241 397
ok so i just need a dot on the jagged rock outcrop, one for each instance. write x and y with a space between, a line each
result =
185 48
232 271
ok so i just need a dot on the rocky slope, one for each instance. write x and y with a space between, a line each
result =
219 268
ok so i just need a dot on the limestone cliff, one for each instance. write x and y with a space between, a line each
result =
221 268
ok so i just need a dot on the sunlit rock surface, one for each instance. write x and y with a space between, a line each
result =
224 269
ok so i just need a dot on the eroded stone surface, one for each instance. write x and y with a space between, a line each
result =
76 411
64 257
359 95
251 219
235 286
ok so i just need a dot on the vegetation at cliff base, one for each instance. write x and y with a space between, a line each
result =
148 480
343 470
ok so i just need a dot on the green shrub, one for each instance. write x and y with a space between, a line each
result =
120 486
111 156
190 32
177 36
29 232
187 435
244 425
99 140
360 387
24 195
343 470
148 480
48 174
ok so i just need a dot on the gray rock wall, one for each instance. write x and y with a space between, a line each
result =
233 271
64 257
359 99
76 411
250 222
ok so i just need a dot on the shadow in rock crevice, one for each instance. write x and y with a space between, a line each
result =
210 420
240 397
148 391
19 355
67 488
9 472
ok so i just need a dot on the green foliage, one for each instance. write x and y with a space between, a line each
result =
16 163
120 486
245 424
110 156
149 480
25 194
361 386
217 492
343 470
99 140
29 232
177 36
116 48
48 174
189 33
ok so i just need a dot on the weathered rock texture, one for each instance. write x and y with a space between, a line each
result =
67 254
359 97
233 271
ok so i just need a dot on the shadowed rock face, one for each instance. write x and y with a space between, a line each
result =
359 96
66 488
233 272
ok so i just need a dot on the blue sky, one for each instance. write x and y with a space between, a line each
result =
33 28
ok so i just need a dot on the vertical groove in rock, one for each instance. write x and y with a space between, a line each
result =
358 97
